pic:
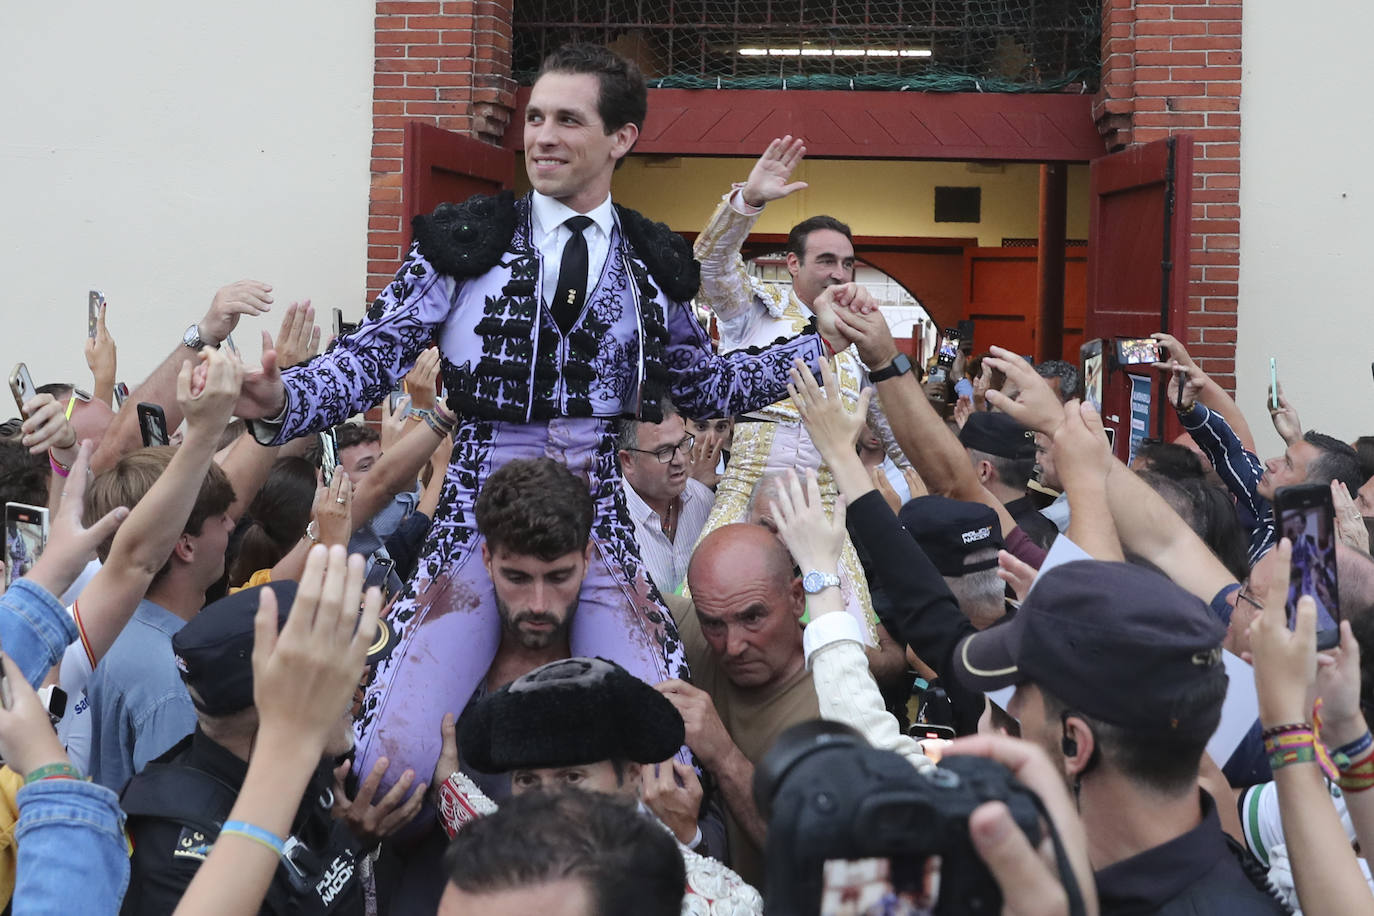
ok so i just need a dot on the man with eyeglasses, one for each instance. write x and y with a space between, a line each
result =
668 507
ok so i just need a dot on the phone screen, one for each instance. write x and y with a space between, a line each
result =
1307 519
395 398
379 576
93 303
152 423
1273 383
878 887
26 534
1137 351
949 347
121 394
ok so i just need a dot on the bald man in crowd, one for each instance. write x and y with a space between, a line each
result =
743 641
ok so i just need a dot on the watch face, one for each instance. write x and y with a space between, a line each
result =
816 581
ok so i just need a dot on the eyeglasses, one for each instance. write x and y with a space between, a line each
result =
1242 596
665 454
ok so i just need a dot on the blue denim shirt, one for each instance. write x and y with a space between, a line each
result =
139 705
35 629
72 855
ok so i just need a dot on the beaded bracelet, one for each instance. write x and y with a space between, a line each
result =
256 834
53 771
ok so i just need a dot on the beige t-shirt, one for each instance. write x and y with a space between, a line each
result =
754 718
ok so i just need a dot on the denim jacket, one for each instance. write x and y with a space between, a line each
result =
66 827
35 629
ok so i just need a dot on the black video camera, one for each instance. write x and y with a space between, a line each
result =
831 799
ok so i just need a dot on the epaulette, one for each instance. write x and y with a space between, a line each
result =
467 239
665 253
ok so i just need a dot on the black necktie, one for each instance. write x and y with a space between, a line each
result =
572 275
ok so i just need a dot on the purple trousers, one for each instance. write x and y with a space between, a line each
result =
447 624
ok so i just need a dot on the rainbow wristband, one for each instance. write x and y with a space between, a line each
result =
1345 755
256 834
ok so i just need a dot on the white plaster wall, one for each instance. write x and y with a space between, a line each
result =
1307 216
159 150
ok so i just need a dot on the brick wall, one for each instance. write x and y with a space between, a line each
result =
446 62
1173 66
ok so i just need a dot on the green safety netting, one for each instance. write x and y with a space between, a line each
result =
925 45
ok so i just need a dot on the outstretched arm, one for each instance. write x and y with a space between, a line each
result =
726 287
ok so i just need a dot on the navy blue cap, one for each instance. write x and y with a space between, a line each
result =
214 651
949 530
1114 641
998 434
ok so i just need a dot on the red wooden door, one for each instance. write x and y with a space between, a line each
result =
1139 239
445 167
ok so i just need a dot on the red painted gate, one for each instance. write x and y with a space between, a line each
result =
1138 256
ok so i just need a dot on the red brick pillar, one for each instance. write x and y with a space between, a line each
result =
1173 66
447 62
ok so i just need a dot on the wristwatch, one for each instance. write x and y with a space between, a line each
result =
817 581
193 339
900 365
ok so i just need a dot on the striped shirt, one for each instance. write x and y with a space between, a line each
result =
667 560
1240 470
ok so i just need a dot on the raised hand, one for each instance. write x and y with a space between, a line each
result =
333 511
1193 380
421 382
208 410
768 179
1036 406
101 355
885 489
1285 660
963 409
1350 526
814 540
27 739
706 734
394 421
232 302
832 426
1286 421
299 337
1173 351
1079 449
46 426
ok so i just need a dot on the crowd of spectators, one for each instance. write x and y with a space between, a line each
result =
938 571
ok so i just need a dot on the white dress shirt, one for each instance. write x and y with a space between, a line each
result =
667 560
549 235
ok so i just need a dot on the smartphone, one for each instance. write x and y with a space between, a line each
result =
342 327
26 534
54 700
1307 518
329 456
95 301
1136 351
121 393
379 576
21 384
395 398
921 731
949 348
152 423
938 374
1274 384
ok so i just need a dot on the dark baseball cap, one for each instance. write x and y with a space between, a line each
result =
214 651
949 530
1114 641
998 434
